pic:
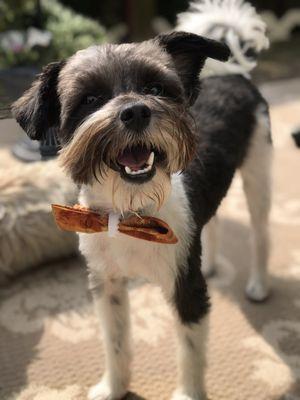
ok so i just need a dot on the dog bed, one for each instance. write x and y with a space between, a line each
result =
28 234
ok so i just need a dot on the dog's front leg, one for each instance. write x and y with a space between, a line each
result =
192 305
112 305
192 361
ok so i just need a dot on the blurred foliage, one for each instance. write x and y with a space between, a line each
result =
169 9
10 58
111 12
136 14
17 14
70 31
108 12
71 27
280 7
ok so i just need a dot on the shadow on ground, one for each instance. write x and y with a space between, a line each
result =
281 307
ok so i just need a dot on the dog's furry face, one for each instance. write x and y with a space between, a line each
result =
122 114
125 124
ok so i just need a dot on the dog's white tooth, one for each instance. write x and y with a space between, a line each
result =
129 171
151 159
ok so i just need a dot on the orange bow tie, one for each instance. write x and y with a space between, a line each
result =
80 219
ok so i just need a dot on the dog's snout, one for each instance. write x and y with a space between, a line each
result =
136 116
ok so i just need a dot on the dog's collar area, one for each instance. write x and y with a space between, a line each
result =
113 223
81 219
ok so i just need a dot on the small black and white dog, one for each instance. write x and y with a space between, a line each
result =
141 135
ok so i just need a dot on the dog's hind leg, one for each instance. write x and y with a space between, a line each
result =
256 175
209 239
112 305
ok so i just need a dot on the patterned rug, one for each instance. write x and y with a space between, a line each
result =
50 347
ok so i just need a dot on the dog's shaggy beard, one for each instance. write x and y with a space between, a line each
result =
91 155
125 197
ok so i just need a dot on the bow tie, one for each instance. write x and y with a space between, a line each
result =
80 219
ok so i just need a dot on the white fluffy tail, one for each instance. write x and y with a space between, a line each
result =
233 21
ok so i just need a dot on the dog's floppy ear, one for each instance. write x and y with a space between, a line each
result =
39 107
189 52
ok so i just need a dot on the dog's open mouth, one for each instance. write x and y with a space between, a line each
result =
137 163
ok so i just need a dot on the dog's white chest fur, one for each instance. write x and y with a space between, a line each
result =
130 257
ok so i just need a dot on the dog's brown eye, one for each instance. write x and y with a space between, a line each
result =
153 90
89 99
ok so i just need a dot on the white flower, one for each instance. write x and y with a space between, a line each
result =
18 41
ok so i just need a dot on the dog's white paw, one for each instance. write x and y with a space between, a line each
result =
257 291
102 391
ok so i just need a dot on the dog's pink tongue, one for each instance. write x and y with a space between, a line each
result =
134 158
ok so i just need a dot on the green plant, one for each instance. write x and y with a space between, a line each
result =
17 14
68 32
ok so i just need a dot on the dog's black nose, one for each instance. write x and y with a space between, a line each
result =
136 116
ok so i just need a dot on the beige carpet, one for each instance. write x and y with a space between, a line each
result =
49 343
